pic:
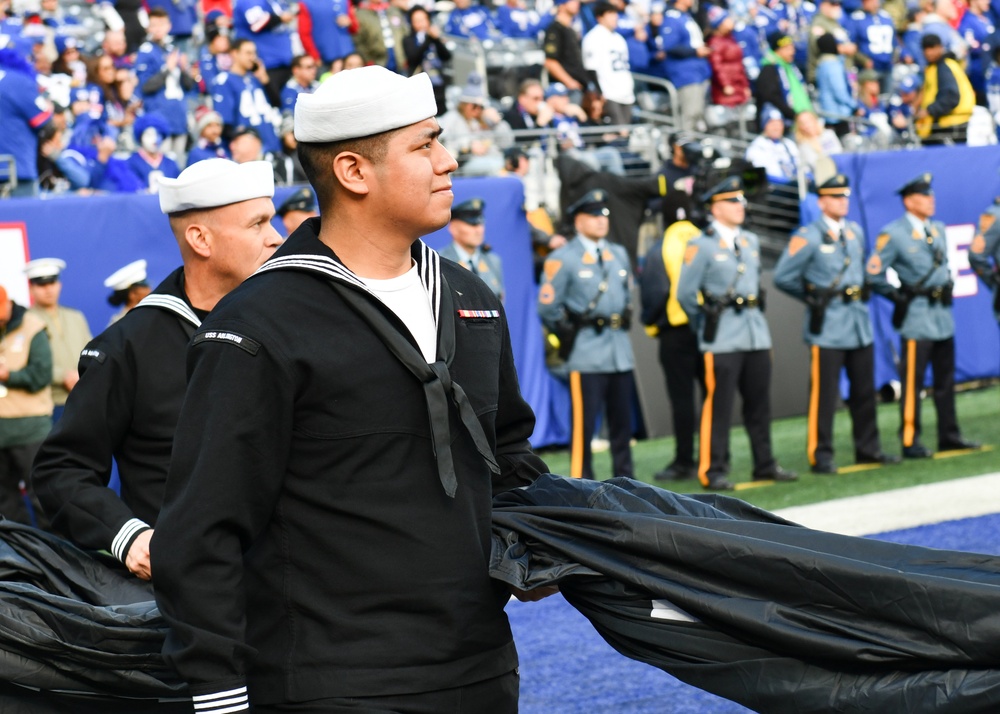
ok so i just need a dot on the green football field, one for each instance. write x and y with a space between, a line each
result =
978 416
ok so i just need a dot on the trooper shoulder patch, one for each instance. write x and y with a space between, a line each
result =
91 353
880 242
796 244
243 342
689 253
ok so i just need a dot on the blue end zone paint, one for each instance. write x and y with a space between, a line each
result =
566 668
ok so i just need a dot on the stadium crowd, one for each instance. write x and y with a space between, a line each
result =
108 96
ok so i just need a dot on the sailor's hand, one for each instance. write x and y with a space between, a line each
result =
137 560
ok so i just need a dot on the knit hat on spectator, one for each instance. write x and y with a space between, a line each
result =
716 16
777 40
556 89
203 116
362 102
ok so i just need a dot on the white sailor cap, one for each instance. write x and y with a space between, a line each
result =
44 270
124 278
362 102
216 182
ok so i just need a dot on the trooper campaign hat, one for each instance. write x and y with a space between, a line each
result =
470 211
301 200
43 271
363 102
215 182
921 184
837 185
729 189
593 203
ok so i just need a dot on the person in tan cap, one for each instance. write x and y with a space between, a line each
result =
67 328
25 406
352 409
132 376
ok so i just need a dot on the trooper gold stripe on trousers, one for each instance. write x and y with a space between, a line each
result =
576 443
812 437
910 403
705 442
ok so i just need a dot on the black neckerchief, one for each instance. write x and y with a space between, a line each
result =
436 377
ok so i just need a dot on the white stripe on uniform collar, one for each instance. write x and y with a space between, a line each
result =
172 303
428 268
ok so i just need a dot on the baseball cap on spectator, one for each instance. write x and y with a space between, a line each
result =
827 44
244 130
777 40
716 16
212 17
556 89
561 2
769 112
64 43
203 116
907 84
474 91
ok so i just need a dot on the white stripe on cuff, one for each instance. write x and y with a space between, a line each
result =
131 527
231 700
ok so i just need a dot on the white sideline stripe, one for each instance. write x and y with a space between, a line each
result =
902 508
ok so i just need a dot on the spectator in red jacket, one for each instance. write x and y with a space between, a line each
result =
730 86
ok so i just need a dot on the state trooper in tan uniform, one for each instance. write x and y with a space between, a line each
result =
587 284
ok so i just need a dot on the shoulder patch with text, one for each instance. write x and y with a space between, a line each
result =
244 343
91 353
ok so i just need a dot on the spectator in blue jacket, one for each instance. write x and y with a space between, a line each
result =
325 29
685 64
24 111
183 16
993 88
468 20
910 51
303 80
213 56
164 80
514 19
977 29
836 100
872 29
149 162
269 24
208 133
904 99
238 96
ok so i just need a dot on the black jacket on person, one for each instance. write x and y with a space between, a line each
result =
770 89
125 408
308 546
741 603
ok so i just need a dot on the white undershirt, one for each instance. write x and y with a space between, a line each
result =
407 297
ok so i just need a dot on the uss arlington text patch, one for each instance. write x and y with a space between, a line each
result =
91 353
231 338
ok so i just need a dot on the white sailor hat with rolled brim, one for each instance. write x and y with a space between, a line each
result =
363 102
124 278
215 182
44 268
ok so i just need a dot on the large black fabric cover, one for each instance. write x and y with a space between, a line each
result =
787 619
70 622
